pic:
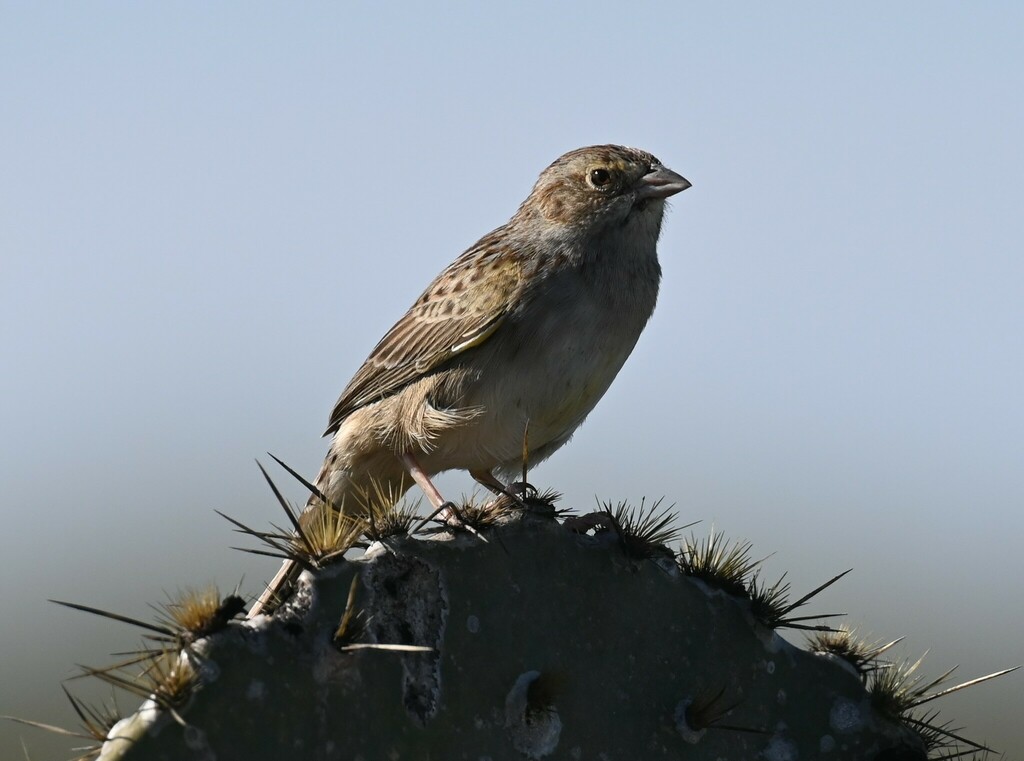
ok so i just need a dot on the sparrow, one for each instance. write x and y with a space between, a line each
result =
520 336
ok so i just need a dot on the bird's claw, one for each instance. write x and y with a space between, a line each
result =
448 513
522 490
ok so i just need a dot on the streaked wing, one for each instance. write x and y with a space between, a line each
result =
459 311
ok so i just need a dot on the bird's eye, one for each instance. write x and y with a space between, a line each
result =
600 177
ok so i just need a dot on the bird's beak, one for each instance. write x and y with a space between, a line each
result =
660 182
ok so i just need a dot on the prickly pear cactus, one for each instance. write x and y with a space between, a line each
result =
538 643
508 633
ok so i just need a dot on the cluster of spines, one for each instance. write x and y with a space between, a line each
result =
164 670
729 566
476 515
95 723
708 710
318 537
864 656
897 691
643 532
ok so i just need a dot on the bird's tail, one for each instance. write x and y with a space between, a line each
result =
283 580
351 500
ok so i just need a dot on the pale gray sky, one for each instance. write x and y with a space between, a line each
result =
211 213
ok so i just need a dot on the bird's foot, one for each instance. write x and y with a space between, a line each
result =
522 491
446 514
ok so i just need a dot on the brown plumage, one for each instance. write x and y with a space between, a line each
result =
526 328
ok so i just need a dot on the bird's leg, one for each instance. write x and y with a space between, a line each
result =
422 479
486 479
519 491
420 476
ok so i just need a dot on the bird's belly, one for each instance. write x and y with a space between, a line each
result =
554 380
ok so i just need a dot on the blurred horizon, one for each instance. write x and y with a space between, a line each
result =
212 214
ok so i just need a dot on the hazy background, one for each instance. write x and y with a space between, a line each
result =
211 214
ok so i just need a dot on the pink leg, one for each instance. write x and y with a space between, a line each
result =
421 478
486 478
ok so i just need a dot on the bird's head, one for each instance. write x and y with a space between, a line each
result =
601 185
